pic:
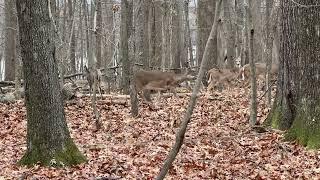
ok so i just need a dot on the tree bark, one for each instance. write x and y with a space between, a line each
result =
10 39
48 137
164 35
145 35
124 46
205 14
297 102
230 34
152 36
72 37
80 28
257 20
177 35
98 32
188 41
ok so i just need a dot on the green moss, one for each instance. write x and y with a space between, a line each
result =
274 117
69 155
305 128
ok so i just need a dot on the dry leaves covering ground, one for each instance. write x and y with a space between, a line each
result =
218 143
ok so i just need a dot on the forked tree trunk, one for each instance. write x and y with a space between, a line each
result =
297 102
48 137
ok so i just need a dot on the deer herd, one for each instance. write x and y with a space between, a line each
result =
145 81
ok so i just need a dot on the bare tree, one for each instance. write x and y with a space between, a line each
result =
48 137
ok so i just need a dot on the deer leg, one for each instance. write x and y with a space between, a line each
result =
174 92
146 95
90 91
159 95
99 89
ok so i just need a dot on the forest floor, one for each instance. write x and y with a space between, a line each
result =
218 145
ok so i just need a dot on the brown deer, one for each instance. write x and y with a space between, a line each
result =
93 75
158 81
245 72
222 77
260 71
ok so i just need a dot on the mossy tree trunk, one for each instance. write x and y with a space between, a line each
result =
48 137
297 103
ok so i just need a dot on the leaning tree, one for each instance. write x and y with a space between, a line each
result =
297 102
48 137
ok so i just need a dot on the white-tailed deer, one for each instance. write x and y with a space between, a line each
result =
222 77
91 76
260 71
158 81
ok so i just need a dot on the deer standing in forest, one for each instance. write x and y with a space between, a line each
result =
158 81
93 76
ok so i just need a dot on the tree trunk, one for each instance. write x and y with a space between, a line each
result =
205 14
297 103
245 37
230 34
98 34
124 45
62 53
152 36
164 35
271 23
145 35
18 67
72 37
177 35
10 39
251 33
188 42
80 28
257 25
91 41
48 137
110 32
